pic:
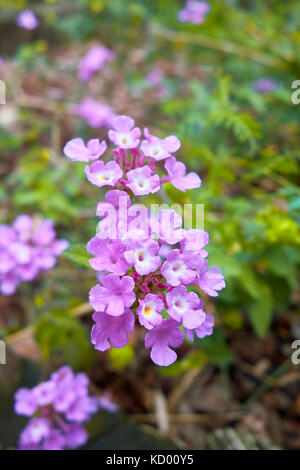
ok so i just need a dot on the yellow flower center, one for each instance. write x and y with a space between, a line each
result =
147 309
176 267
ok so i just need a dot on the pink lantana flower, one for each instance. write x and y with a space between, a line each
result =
141 182
194 12
153 253
149 310
205 329
114 295
195 240
124 134
44 393
77 151
108 255
62 405
167 225
178 178
179 268
155 76
101 174
92 61
76 436
36 430
157 148
27 20
111 331
26 402
143 255
264 85
185 307
210 280
94 113
27 248
161 339
117 197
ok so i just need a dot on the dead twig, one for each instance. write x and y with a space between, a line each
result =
185 418
161 412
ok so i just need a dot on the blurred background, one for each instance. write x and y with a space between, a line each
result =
224 87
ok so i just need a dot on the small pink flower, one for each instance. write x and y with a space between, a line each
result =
210 280
27 20
76 436
94 113
160 339
154 77
176 171
117 198
109 256
143 255
54 441
77 151
149 311
185 307
93 60
264 85
194 12
157 148
101 174
195 240
167 225
25 402
205 329
36 430
124 134
141 182
111 331
179 268
114 295
44 393
22 226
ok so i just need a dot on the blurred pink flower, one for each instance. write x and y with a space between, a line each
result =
92 61
27 20
94 113
194 12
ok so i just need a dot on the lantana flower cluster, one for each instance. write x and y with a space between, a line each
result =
27 247
58 408
147 264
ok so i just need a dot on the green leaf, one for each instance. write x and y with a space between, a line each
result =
78 254
260 312
194 360
227 263
250 281
59 331
120 358
281 261
216 348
